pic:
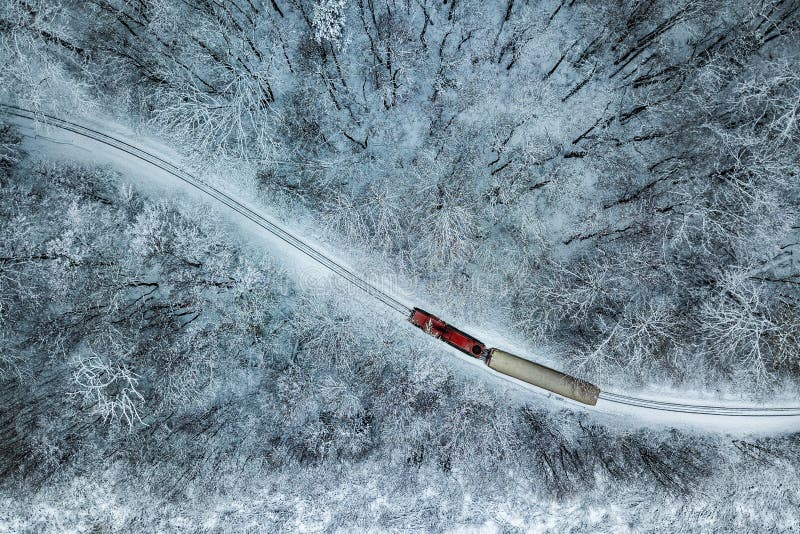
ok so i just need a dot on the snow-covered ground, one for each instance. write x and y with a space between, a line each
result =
51 141
606 188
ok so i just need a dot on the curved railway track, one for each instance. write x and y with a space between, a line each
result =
343 271
215 193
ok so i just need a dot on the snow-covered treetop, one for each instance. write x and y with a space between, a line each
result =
328 20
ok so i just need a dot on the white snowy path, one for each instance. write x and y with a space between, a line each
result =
167 178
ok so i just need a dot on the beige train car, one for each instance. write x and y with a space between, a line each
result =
543 377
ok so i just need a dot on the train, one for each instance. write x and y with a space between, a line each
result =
506 363
497 359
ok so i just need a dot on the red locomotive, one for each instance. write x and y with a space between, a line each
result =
449 334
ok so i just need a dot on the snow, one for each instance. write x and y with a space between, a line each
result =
157 183
309 275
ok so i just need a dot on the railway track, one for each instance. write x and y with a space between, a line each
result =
215 193
729 411
346 273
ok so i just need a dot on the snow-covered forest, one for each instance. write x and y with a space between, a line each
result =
612 184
